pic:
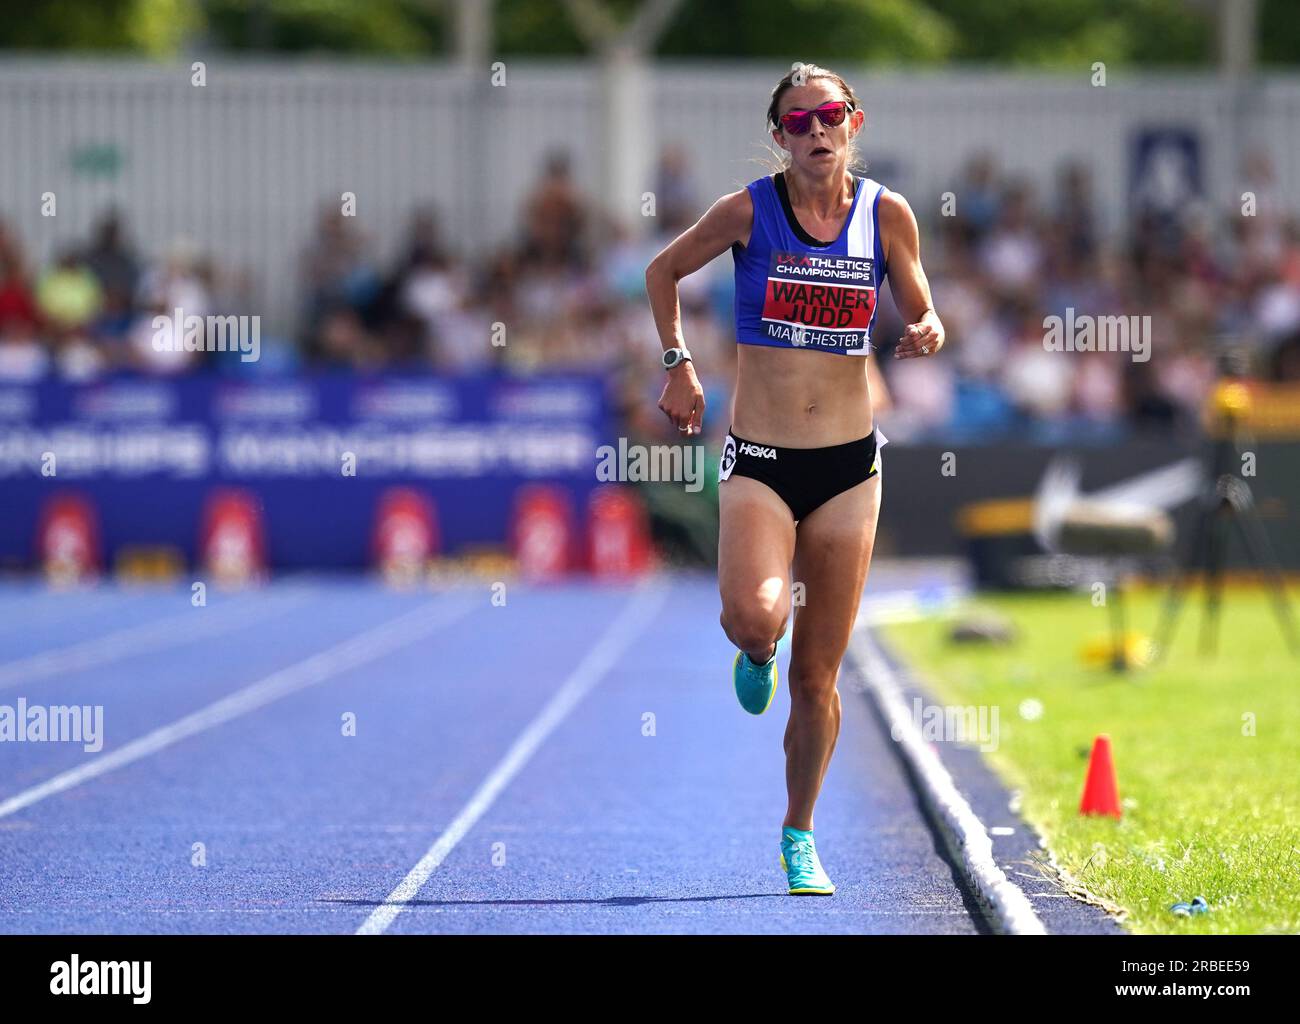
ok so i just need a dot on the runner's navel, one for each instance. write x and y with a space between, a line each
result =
811 408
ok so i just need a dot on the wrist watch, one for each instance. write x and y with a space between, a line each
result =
674 356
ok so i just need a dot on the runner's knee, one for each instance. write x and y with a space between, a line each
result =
813 681
752 629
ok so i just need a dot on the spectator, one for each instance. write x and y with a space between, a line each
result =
1012 253
68 295
978 199
432 289
675 205
182 281
1075 219
110 258
998 268
554 219
23 359
344 341
16 302
156 341
1039 382
336 271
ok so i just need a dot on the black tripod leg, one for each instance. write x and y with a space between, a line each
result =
1214 582
1261 554
1193 556
1119 654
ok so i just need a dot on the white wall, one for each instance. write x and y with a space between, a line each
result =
241 166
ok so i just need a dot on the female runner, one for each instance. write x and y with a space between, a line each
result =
799 476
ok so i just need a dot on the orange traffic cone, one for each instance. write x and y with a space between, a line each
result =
1101 790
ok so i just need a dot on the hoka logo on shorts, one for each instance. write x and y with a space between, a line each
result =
757 451
728 460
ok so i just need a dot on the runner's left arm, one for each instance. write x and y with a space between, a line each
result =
901 241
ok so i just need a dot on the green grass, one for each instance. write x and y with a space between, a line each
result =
1208 809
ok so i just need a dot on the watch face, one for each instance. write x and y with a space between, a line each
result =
672 357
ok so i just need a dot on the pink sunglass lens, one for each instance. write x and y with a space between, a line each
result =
831 115
797 124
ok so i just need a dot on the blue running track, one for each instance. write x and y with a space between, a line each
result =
573 761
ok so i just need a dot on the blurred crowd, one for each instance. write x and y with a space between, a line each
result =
92 310
568 292
1217 285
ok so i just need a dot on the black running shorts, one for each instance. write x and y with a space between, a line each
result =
804 478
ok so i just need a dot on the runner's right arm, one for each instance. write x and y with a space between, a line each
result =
726 222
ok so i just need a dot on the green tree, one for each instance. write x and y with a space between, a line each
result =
150 27
1061 34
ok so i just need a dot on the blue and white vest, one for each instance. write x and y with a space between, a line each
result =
793 291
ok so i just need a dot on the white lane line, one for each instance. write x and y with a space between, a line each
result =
146 638
964 831
362 648
636 616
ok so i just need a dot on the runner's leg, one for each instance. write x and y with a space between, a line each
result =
832 556
755 547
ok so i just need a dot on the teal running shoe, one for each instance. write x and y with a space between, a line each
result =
755 684
802 868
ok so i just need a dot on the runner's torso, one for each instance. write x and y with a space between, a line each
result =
796 296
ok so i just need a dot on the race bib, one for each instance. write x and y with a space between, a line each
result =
819 301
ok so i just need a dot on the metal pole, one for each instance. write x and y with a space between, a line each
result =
628 147
473 33
473 49
1238 29
627 112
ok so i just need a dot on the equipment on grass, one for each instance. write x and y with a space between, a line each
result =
1229 501
1126 650
1107 530
1101 788
983 628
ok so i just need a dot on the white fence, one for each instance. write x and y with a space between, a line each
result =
242 166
